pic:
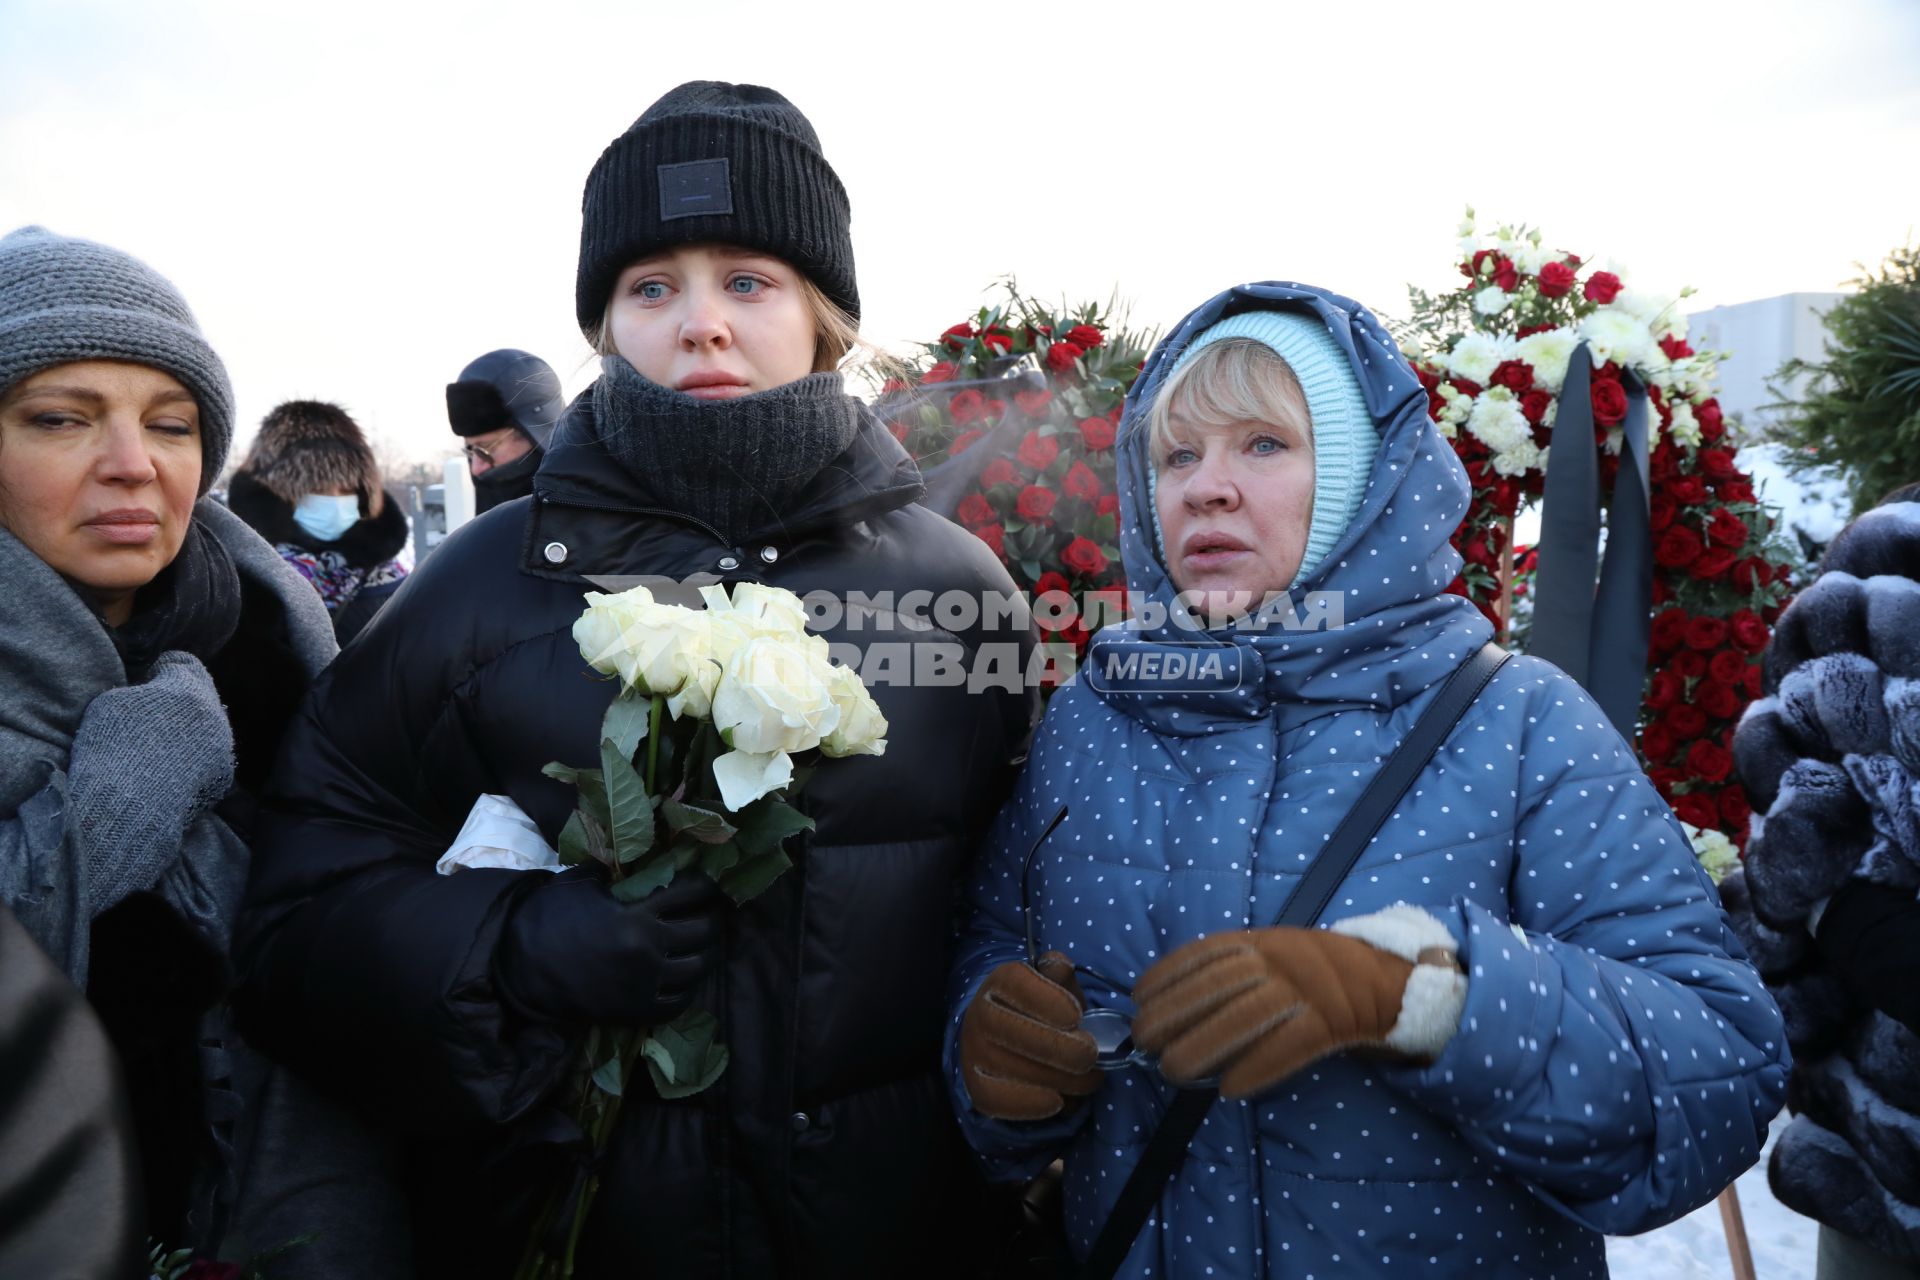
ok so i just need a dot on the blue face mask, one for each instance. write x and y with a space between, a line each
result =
327 516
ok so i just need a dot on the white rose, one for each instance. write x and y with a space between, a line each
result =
862 730
1475 357
1490 301
1548 352
745 776
758 609
772 698
652 647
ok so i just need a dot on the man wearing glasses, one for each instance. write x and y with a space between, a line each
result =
504 405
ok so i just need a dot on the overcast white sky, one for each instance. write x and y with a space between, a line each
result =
358 198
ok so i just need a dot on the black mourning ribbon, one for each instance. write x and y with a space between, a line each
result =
1599 637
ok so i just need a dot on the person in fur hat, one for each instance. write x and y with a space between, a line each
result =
1826 900
311 487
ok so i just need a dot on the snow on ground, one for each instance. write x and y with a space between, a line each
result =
1695 1248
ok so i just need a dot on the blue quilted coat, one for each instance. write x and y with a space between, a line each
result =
1618 1059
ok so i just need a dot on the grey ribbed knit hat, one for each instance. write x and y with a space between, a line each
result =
63 299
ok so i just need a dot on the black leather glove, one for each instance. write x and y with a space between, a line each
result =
572 952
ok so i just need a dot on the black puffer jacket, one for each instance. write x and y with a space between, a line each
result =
827 1149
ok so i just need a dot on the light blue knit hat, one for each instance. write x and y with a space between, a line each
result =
1345 437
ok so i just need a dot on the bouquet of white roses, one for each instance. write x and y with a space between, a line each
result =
696 772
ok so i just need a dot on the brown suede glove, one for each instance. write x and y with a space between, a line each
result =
1254 1006
1022 1052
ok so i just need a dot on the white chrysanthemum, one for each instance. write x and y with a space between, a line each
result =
1552 414
1490 301
1476 356
1518 460
1448 430
1615 335
1496 421
1685 428
1716 853
1548 353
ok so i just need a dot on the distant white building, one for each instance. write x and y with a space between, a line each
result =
1760 336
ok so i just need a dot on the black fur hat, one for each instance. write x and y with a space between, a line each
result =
310 446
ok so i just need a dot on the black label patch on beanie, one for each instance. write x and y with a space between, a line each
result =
695 189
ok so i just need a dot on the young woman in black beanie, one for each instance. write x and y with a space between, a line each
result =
716 278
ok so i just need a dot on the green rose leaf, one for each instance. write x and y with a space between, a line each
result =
583 838
766 823
684 1056
628 805
626 722
750 878
655 873
704 825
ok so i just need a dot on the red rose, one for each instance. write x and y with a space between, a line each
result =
1713 563
1534 405
1661 591
1664 462
957 336
1109 505
1664 780
999 471
1678 548
995 536
1685 721
1664 689
1085 336
1688 491
1528 330
942 372
1035 503
1727 529
1705 634
1465 387
1660 512
966 406
1729 668
1096 433
1606 371
1689 665
1038 451
1081 482
1062 354
1749 633
1710 761
1717 464
1515 375
1669 630
997 342
1033 403
1609 403
1676 348
974 510
1697 810
1734 806
963 442
1716 699
1506 275
1471 267
1084 558
1052 581
1555 279
1602 287
1753 684
1735 491
1712 425
1656 744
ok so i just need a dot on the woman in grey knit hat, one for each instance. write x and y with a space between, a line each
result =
151 653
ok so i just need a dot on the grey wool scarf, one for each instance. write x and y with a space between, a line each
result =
734 464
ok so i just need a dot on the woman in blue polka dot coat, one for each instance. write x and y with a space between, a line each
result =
1522 1022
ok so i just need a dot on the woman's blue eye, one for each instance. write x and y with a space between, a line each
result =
1179 457
1266 444
744 285
651 290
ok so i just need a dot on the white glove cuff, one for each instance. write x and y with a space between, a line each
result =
1435 993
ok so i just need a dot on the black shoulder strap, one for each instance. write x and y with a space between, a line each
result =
1167 1149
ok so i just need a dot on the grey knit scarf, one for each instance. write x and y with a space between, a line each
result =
735 464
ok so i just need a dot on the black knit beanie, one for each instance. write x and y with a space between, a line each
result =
715 163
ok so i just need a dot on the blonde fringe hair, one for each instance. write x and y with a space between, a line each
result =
836 334
1229 381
